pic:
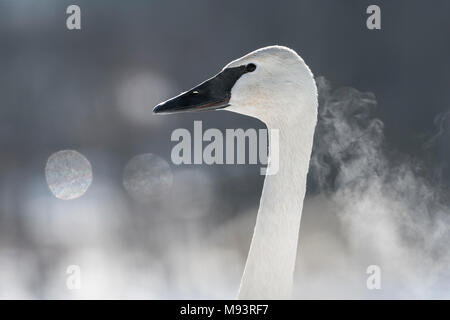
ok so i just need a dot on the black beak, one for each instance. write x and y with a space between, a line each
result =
214 93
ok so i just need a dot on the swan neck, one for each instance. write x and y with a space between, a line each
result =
270 264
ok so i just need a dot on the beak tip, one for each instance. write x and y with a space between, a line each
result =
157 108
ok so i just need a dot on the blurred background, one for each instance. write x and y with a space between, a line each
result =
141 227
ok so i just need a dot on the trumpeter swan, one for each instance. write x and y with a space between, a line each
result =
274 85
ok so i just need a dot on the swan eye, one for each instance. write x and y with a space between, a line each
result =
250 67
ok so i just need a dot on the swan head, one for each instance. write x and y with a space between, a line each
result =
271 83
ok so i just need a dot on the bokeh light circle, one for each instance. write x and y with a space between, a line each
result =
68 174
147 177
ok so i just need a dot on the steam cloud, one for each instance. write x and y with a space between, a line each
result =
385 210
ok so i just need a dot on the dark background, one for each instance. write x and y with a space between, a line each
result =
93 90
